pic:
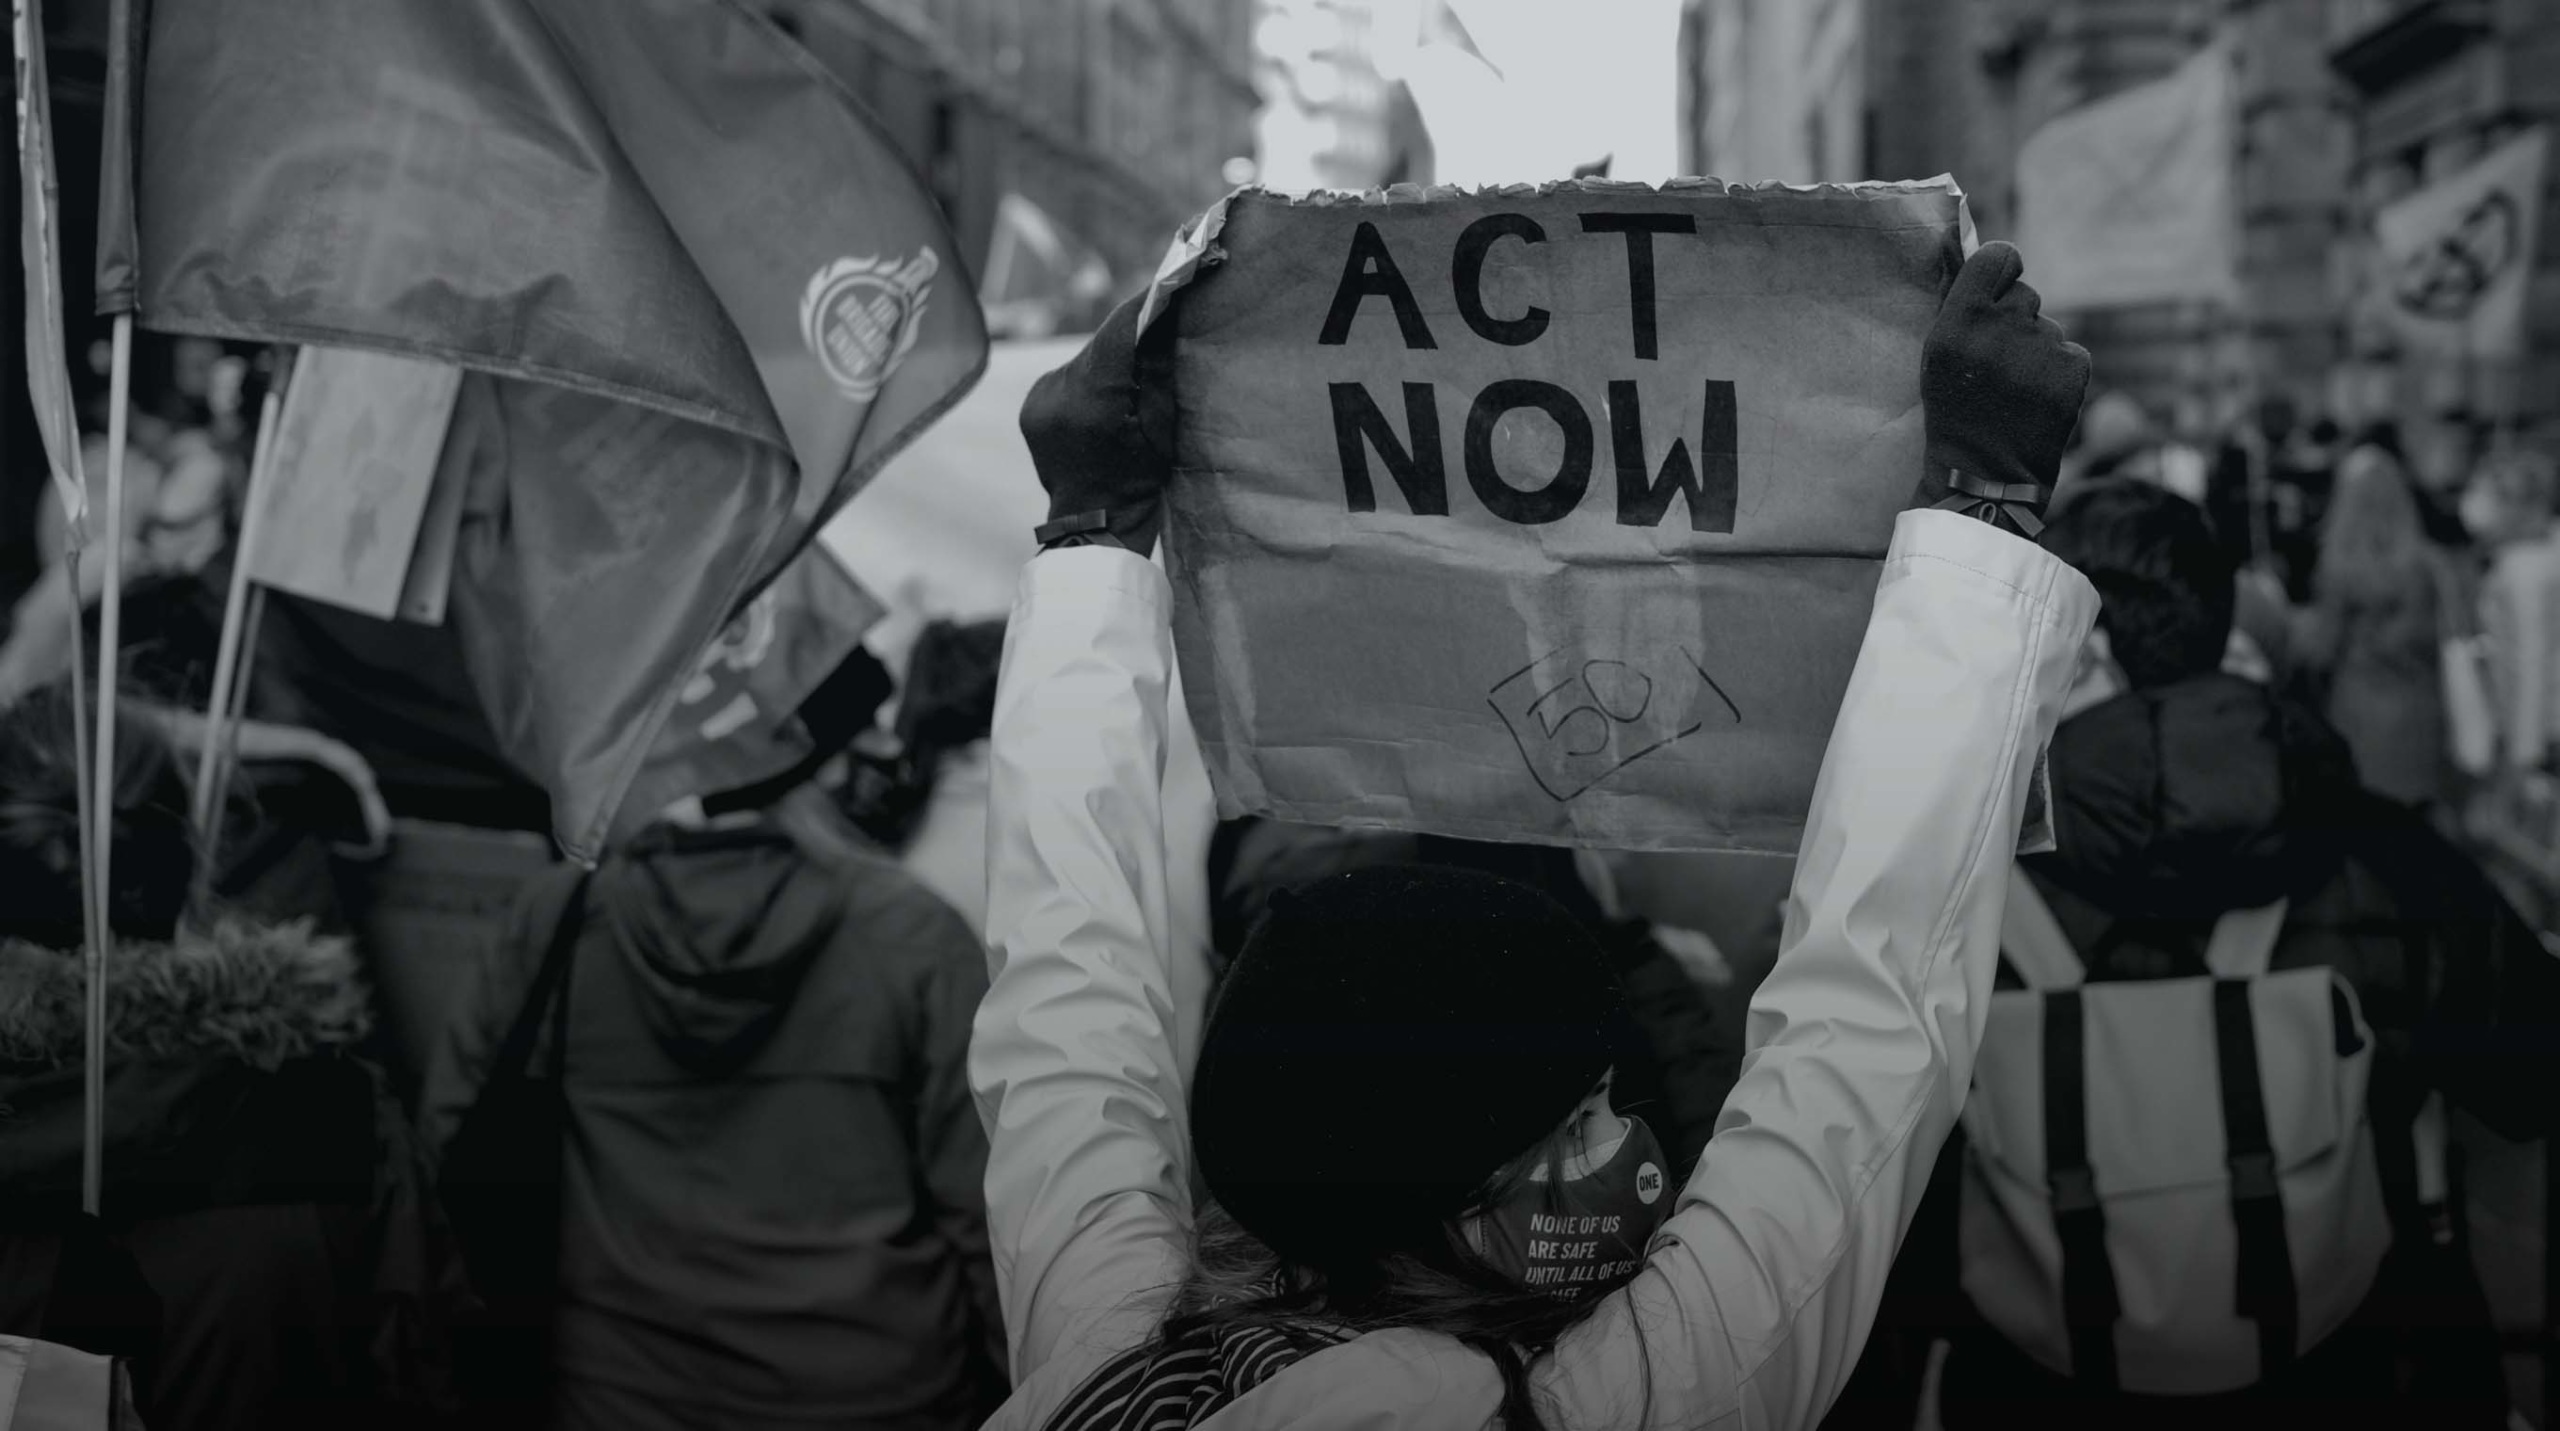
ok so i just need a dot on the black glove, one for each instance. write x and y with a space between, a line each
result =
2000 389
1101 433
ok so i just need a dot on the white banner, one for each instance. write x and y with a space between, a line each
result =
2129 200
2456 256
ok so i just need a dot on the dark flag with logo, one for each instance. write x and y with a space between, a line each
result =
708 298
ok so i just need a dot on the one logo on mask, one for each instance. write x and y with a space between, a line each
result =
860 318
1585 1234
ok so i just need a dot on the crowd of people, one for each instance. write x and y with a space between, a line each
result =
775 1118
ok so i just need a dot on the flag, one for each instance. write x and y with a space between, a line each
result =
40 250
2130 200
733 724
708 296
2457 256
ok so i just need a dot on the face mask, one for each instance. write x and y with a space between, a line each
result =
1583 1233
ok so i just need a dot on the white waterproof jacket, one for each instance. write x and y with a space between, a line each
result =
1758 1293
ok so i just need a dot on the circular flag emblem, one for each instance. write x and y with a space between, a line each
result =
860 317
1648 1184
2448 277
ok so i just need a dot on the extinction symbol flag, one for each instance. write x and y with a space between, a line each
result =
2457 256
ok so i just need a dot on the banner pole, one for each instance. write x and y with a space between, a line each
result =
101 864
227 659
229 740
82 771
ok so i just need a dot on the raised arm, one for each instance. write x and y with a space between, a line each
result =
1758 1295
1074 1058
1073 1055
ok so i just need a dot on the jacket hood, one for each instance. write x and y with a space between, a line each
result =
718 928
2188 800
260 993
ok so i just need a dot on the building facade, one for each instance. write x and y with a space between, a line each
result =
1777 89
1116 118
2431 86
1329 117
2345 106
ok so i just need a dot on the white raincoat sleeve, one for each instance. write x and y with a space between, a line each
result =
1073 1056
1759 1294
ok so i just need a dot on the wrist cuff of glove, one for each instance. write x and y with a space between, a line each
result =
2017 506
1075 529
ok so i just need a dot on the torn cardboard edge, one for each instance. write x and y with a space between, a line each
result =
1195 245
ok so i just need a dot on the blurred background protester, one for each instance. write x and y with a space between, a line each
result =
186 468
2382 598
1682 1057
2270 488
2508 509
917 786
2184 793
2117 437
769 1166
266 1252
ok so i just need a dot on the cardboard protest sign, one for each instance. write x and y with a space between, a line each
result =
356 451
1542 514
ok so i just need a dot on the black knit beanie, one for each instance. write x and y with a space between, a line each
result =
1387 1040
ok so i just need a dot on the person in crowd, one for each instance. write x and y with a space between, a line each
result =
2306 478
2508 509
181 477
2190 794
2116 438
266 1252
917 785
2241 497
771 1210
2376 628
1422 1209
1676 1066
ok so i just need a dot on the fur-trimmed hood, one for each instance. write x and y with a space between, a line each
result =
259 993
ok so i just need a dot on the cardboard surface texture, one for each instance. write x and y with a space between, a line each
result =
1542 514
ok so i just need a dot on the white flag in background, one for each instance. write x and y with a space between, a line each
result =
2129 200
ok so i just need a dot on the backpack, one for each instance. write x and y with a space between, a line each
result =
2169 1186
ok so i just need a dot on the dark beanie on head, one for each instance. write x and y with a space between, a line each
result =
1387 1040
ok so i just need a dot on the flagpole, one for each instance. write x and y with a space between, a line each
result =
220 706
80 767
101 863
229 765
